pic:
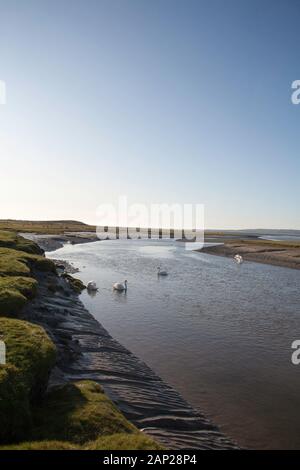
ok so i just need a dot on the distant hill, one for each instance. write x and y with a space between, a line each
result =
49 226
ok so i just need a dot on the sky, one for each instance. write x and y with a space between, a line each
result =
164 101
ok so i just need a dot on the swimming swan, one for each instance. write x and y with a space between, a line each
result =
160 272
238 259
92 286
120 287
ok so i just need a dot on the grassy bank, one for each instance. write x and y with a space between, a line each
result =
19 258
46 227
74 416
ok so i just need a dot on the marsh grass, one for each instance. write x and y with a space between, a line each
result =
16 266
30 356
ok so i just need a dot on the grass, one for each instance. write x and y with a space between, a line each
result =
30 356
78 412
46 227
81 416
13 240
15 293
19 263
16 285
18 258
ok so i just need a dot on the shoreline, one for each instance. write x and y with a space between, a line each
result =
48 242
271 253
86 351
251 247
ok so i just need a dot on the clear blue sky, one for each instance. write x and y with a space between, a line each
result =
162 100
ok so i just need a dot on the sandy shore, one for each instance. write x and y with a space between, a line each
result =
276 253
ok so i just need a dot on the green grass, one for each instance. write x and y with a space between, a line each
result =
78 412
30 356
15 293
81 416
13 240
16 266
122 441
16 287
19 263
41 445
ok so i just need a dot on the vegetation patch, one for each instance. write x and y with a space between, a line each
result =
78 412
13 240
30 356
19 263
122 441
16 285
80 416
15 293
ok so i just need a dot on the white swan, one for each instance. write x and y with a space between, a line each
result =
92 286
160 272
120 287
238 259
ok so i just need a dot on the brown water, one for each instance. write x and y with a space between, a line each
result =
220 333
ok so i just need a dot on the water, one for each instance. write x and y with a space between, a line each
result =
219 332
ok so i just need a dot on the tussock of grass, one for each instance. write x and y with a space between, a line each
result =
122 441
15 293
79 412
19 263
30 355
13 240
16 287
81 416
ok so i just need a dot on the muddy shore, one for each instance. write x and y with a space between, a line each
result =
259 252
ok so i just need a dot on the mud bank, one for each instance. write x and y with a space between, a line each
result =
87 351
268 253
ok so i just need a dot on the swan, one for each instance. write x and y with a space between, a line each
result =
238 259
160 272
120 287
92 286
